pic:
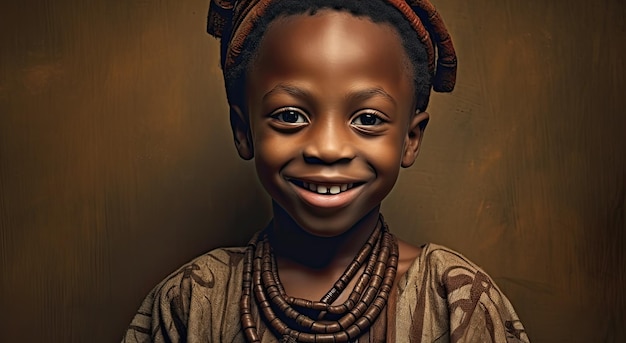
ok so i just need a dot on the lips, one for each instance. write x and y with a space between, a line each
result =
327 188
327 194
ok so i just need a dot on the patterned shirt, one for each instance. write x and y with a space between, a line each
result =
443 297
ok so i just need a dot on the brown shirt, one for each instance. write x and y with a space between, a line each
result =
443 297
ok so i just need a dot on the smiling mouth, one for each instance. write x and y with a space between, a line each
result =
329 189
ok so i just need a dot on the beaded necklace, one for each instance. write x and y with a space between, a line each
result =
356 314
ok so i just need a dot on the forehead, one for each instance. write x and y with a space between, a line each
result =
331 45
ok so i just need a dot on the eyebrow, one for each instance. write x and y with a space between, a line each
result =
287 88
356 96
368 93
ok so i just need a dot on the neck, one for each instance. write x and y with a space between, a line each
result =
290 242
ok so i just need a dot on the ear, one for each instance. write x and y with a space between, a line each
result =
413 139
241 133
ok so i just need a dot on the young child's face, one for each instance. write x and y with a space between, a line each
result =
330 100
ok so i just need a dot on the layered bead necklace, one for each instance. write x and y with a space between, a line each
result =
365 303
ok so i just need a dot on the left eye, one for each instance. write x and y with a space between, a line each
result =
367 119
290 116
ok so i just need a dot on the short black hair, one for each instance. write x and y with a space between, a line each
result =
376 10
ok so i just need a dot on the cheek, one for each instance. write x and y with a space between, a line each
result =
386 155
272 152
385 161
266 156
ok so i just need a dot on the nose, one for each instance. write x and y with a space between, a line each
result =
329 143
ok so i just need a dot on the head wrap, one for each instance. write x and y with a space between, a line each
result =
234 20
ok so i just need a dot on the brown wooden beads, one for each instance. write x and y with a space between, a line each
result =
356 314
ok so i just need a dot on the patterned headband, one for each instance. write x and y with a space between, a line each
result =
235 19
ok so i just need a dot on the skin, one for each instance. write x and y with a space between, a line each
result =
330 101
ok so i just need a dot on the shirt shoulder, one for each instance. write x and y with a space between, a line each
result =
197 292
444 294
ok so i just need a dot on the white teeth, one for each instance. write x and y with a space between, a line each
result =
326 189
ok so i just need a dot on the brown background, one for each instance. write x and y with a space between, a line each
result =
116 161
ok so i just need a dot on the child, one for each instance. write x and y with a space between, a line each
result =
329 98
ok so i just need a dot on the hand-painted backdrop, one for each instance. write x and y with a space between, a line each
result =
116 161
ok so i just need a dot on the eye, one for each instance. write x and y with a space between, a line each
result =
367 119
290 115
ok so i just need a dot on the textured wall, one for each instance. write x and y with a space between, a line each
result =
116 162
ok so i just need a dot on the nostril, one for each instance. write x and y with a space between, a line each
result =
313 160
317 160
328 149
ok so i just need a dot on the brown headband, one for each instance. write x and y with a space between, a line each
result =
239 17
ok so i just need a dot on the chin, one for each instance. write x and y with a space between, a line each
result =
323 226
331 225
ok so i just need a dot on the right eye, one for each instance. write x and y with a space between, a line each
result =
290 116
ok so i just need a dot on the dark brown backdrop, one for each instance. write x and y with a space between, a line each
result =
116 162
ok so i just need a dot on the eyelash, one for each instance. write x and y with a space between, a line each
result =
280 112
378 119
302 118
